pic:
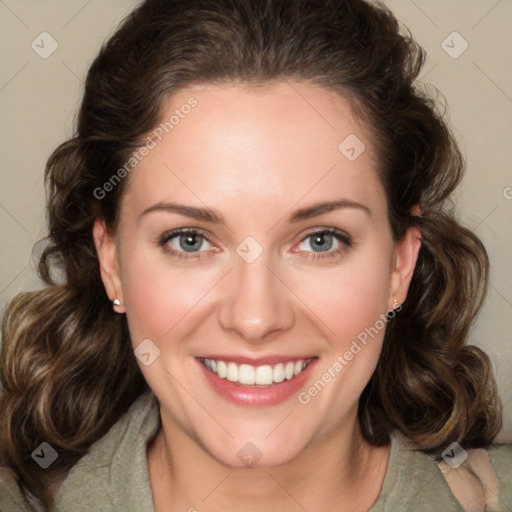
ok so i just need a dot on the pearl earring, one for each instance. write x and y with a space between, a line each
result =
116 302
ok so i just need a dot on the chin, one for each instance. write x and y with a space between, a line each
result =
254 454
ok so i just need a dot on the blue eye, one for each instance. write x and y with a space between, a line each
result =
322 242
187 243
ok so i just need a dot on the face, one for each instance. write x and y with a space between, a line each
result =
222 260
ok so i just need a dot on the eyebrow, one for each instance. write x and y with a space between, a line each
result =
321 208
208 215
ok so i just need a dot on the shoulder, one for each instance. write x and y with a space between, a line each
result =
475 480
482 480
113 474
413 481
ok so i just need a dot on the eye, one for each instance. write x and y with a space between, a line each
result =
322 242
187 243
183 243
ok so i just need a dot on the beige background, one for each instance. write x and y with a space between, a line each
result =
39 98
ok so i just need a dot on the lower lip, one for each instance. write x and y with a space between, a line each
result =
254 396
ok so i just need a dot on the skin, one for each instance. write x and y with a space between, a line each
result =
255 155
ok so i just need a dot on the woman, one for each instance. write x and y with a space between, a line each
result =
266 300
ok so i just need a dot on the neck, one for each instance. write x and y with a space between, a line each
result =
341 471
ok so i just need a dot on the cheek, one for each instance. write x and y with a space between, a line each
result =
159 297
351 305
347 299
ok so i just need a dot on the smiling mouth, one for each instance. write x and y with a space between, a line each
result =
262 376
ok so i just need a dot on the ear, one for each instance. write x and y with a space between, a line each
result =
404 262
109 265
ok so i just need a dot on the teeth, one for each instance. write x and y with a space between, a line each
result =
232 372
289 370
264 374
279 372
222 371
248 375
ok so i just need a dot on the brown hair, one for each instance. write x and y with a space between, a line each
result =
68 369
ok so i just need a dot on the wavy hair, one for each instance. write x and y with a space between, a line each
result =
67 366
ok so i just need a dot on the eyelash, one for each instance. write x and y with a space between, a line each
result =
339 235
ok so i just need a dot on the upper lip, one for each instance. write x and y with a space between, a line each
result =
256 361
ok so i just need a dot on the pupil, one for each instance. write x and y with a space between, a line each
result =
190 242
320 241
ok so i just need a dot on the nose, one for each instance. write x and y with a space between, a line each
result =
257 305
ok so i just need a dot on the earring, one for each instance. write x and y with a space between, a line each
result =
395 303
116 302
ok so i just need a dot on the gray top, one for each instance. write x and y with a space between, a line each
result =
113 475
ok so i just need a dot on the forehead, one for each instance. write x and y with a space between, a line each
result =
269 146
